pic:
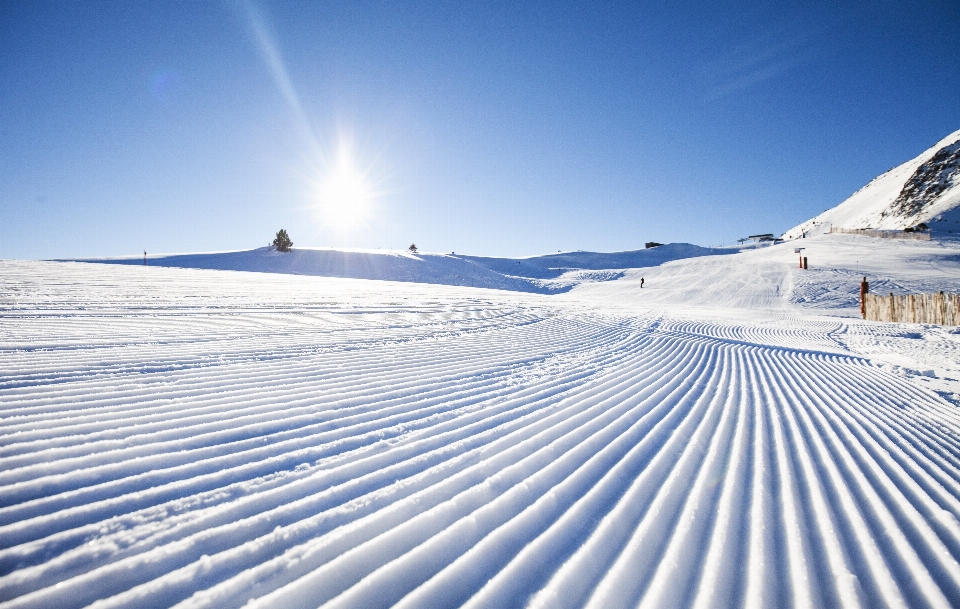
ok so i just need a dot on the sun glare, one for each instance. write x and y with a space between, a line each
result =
346 196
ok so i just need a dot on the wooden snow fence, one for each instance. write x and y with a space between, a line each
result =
942 309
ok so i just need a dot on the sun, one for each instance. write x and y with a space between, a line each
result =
344 192
344 196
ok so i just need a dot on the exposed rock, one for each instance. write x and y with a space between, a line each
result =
928 182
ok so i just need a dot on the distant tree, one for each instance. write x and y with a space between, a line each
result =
413 248
282 242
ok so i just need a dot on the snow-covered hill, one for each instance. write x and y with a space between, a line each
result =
727 435
541 274
922 190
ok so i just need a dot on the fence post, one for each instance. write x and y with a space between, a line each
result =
864 289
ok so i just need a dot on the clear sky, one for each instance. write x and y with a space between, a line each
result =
508 128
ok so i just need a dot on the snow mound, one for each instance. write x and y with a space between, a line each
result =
924 189
539 274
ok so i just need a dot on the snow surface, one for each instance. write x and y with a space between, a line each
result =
731 434
541 274
878 204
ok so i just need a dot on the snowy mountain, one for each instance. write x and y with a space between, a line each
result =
924 189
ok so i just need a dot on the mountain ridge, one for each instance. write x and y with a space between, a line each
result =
925 189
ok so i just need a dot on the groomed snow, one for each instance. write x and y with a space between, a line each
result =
731 434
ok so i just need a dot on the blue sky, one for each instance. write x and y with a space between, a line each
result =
507 128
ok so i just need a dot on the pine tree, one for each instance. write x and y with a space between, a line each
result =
283 242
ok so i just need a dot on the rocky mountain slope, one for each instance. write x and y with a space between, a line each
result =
925 189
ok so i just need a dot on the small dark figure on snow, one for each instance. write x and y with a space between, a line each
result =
282 242
641 283
413 248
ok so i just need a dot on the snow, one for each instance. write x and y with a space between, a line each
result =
729 434
873 205
540 274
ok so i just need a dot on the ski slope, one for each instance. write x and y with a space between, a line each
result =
538 274
728 435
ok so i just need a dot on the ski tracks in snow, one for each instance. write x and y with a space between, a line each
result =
203 439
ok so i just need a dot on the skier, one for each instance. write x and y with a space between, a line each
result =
641 283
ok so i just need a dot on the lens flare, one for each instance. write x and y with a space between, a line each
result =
342 188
